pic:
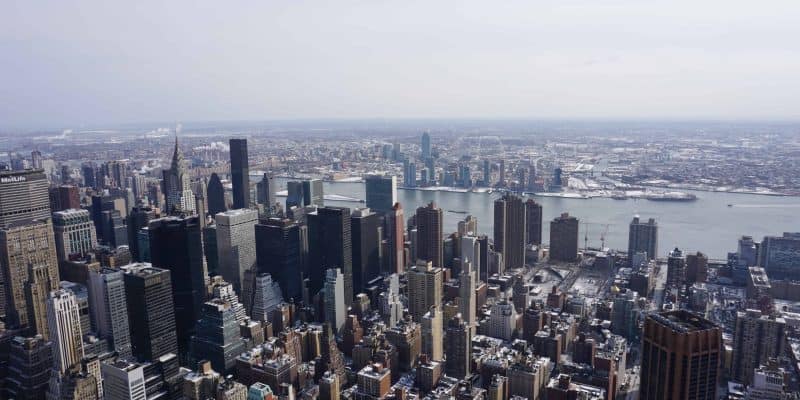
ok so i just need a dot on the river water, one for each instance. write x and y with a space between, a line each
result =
707 224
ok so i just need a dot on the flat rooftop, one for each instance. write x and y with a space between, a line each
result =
683 321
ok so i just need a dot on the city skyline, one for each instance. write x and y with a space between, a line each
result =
400 201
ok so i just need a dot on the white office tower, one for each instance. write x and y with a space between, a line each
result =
224 291
391 305
236 244
470 253
109 308
502 320
123 380
64 323
335 307
432 333
266 297
466 294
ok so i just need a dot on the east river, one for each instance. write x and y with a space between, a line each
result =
707 224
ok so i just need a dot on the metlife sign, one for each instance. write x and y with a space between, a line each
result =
13 179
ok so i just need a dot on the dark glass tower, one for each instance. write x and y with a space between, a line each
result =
366 241
218 339
313 193
429 235
330 246
240 173
426 146
564 238
150 311
216 195
138 218
278 253
176 245
533 214
509 230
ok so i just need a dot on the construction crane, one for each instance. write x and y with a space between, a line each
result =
603 237
585 236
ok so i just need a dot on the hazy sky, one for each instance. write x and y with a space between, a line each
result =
64 63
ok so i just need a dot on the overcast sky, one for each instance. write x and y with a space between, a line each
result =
64 63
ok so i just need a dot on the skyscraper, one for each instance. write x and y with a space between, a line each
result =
278 253
696 268
432 331
74 233
295 196
391 306
331 357
335 307
265 193
533 215
215 193
757 338
88 174
395 231
557 179
510 230
366 247
381 192
676 268
502 320
330 246
681 354
23 197
564 238
236 244
467 303
30 271
409 174
266 297
240 173
425 286
64 197
176 245
426 146
109 308
30 362
64 323
177 186
218 339
313 193
458 347
643 237
780 255
429 234
123 380
470 254
138 218
150 308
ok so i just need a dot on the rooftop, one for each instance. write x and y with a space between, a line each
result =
683 321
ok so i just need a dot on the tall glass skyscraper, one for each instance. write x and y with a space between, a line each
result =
240 173
381 192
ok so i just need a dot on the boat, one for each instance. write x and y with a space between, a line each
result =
619 196
457 211
730 205
670 196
